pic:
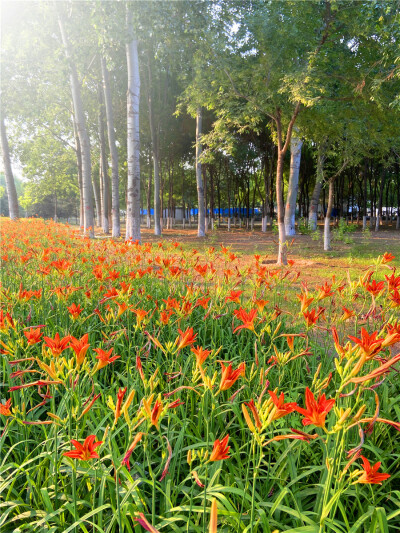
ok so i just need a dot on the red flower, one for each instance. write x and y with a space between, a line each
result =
220 450
316 410
104 357
312 316
75 310
230 376
201 354
5 408
282 408
234 296
84 451
57 345
387 257
80 347
369 344
246 318
370 473
33 336
186 338
375 288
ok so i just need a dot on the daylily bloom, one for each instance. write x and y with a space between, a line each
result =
234 296
136 440
246 318
80 347
186 338
84 451
375 288
347 313
324 291
230 376
57 345
387 257
33 336
201 354
305 301
370 473
316 410
370 345
281 408
5 408
381 370
75 310
220 450
140 315
395 298
312 316
104 357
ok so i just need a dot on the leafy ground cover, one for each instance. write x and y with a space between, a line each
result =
158 387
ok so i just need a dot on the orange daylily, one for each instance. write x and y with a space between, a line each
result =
186 338
80 347
105 357
370 473
281 408
246 318
316 410
230 376
75 310
5 408
34 335
84 451
57 345
220 450
201 354
369 345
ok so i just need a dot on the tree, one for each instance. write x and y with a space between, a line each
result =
82 133
13 208
133 137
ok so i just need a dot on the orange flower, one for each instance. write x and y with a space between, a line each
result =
375 288
370 345
136 440
316 410
370 473
383 369
387 257
75 310
120 397
140 315
260 304
104 357
201 354
220 450
246 318
347 313
230 376
305 301
312 316
33 335
186 338
281 408
251 405
324 291
234 296
84 451
5 408
395 298
57 345
80 347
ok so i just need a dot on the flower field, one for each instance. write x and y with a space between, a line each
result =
155 387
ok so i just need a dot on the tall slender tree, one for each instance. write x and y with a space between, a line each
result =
13 207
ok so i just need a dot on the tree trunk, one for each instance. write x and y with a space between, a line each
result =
313 213
149 194
116 222
290 211
88 225
381 187
13 207
97 201
104 185
365 196
154 144
201 225
79 164
133 140
327 228
282 253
